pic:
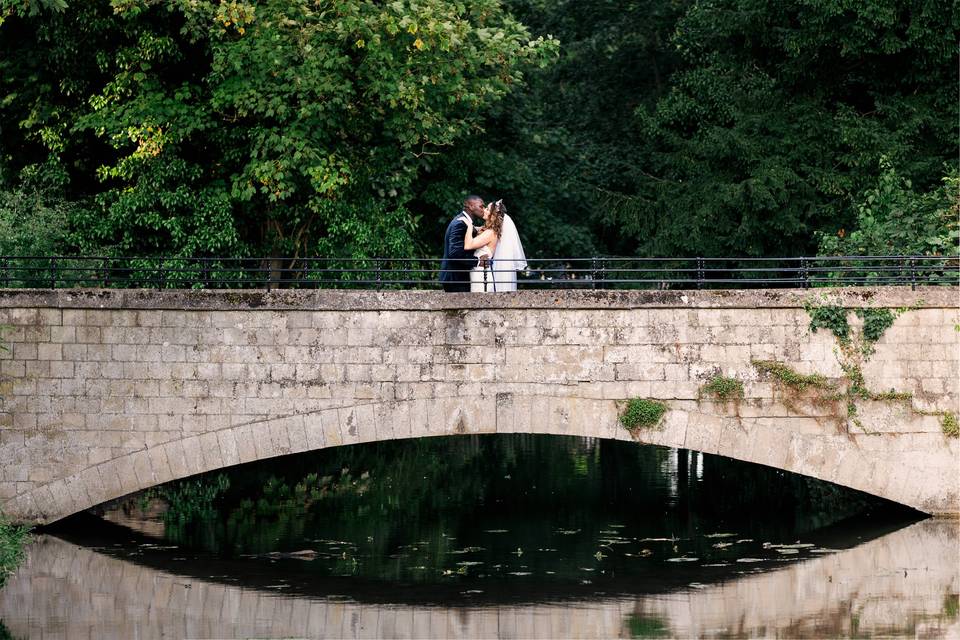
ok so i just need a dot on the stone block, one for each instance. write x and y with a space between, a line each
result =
244 438
63 334
212 457
25 351
279 436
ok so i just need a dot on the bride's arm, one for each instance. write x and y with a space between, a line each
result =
481 240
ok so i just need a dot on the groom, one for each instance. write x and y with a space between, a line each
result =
457 261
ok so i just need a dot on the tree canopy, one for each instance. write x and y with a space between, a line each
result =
352 128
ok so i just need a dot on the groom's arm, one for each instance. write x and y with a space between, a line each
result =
455 239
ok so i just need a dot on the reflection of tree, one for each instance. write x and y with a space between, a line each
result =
364 507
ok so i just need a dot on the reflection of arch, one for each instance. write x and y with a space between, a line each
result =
787 443
62 577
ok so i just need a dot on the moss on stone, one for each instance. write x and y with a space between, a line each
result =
642 413
787 376
724 388
948 422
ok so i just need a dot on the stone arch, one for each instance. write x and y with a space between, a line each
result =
834 458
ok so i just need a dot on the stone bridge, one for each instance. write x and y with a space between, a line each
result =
108 392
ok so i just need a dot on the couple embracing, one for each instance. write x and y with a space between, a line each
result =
484 258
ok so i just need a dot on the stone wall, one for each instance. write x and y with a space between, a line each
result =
105 393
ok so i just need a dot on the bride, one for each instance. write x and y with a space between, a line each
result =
497 246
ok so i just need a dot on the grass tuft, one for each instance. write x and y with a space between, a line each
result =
641 413
791 378
724 388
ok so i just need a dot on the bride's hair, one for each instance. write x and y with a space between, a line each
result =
495 221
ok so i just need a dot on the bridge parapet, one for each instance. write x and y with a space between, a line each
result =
109 392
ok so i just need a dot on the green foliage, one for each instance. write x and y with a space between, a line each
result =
724 388
830 317
892 218
13 539
777 118
641 413
949 424
646 626
34 213
193 499
875 322
352 128
787 376
275 127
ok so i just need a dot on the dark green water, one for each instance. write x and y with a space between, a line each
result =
501 536
500 517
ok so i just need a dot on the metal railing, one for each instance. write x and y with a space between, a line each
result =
423 273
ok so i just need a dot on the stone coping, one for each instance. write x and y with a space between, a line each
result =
423 300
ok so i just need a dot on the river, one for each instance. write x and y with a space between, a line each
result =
501 536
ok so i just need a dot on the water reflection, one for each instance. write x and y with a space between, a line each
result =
904 583
510 536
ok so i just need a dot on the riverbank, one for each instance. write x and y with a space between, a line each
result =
13 540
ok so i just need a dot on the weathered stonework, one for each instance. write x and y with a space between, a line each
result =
109 392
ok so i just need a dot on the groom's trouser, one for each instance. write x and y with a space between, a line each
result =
457 286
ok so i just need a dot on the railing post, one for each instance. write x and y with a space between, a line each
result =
913 274
5 267
700 273
594 273
378 274
484 277
804 273
53 272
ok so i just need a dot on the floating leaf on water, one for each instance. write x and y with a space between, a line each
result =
750 559
682 559
277 586
496 531
646 552
617 526
697 585
586 582
471 591
722 545
788 551
469 563
520 573
717 564
823 550
720 535
656 540
550 573
467 550
742 540
568 532
586 568
518 552
546 549
609 533
599 556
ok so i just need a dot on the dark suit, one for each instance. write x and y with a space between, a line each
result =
457 261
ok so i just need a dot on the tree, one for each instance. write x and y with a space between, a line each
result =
778 117
287 127
892 219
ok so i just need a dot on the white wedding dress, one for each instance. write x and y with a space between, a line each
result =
501 273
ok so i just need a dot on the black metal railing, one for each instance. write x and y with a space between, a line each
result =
423 273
